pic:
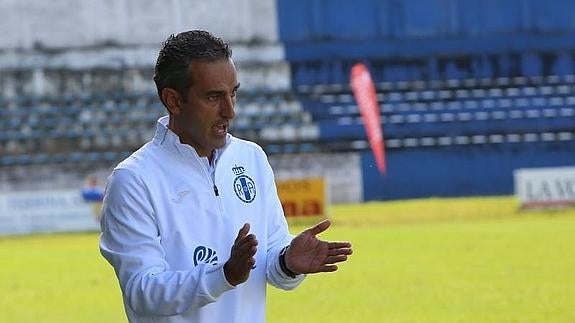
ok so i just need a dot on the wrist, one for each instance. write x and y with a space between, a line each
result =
283 264
226 279
227 275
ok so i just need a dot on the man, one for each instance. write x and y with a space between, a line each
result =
93 193
192 223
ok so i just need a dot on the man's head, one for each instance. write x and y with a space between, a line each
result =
179 51
196 81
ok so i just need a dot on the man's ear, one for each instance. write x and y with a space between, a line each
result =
173 100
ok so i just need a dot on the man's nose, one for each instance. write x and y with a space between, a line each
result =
227 107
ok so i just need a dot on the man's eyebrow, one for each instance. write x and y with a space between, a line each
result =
217 92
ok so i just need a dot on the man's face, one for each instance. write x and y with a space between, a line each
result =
204 117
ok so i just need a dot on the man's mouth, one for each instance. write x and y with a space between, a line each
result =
221 129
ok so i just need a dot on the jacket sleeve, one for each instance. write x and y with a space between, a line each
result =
278 236
130 242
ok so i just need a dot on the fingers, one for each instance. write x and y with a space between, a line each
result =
237 268
335 259
339 244
243 232
247 245
338 254
327 269
320 227
340 251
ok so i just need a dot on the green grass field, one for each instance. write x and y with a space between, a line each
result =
433 260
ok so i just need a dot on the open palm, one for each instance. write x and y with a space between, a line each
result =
307 254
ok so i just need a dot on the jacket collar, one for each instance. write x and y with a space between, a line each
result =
169 140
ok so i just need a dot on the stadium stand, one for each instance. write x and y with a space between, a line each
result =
464 101
97 128
462 94
423 111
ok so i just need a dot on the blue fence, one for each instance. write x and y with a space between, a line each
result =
458 171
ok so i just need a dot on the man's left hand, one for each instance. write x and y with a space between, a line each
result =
307 254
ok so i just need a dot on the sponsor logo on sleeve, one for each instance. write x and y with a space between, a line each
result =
206 255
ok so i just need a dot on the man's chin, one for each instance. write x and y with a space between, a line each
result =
220 142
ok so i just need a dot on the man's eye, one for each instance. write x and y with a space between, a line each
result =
212 98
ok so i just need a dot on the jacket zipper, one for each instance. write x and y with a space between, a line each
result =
214 187
209 177
217 195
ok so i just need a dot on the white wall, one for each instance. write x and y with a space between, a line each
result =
84 35
83 23
46 211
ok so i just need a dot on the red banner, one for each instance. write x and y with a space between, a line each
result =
366 98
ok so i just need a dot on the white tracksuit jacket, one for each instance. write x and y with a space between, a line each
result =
168 228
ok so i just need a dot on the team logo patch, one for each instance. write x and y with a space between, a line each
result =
244 186
205 255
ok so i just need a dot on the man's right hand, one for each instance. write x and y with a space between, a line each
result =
237 268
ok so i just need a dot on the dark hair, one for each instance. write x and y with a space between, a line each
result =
178 52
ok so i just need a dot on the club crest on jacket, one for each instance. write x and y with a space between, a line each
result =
244 186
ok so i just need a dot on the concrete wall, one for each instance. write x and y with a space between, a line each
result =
56 47
85 23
